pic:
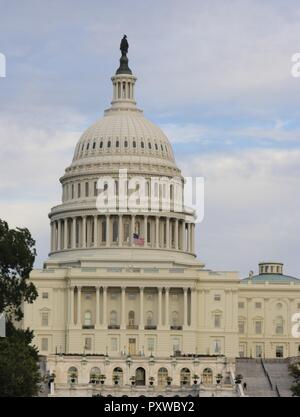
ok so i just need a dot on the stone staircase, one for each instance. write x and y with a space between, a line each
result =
277 382
255 378
279 375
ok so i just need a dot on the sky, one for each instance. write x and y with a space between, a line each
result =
214 75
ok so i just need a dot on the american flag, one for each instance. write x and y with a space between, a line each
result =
137 240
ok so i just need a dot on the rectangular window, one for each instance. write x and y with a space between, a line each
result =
86 189
258 305
151 344
217 320
258 327
176 344
44 344
45 295
95 188
113 295
241 304
88 343
258 351
131 296
217 297
79 190
279 351
216 346
45 317
72 191
114 344
88 296
241 327
241 351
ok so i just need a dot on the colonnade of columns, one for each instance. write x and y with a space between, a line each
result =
164 318
109 230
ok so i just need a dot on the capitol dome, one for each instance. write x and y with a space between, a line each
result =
124 133
122 140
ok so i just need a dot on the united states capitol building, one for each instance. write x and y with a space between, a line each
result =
125 307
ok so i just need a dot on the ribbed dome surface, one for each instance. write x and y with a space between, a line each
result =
124 133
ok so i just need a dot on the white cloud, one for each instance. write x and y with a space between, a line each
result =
252 204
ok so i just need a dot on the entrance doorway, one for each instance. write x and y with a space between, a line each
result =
140 376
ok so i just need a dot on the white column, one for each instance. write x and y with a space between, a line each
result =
132 228
176 234
183 236
107 230
84 231
96 231
97 322
120 232
73 233
79 306
66 234
123 314
159 306
185 307
157 232
141 308
188 237
146 230
58 235
71 308
52 236
167 318
104 315
167 233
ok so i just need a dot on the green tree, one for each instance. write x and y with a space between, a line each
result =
295 373
19 371
17 254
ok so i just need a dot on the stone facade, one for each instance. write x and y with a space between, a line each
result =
123 294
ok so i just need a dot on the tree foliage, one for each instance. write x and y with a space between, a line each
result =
17 254
295 373
19 371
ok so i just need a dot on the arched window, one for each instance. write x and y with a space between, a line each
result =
72 375
149 145
118 376
162 376
87 146
185 376
207 376
87 318
125 144
113 318
117 144
131 316
134 144
149 318
142 145
101 144
279 325
175 317
109 144
140 376
95 375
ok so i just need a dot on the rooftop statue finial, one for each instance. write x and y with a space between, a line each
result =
124 45
124 68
